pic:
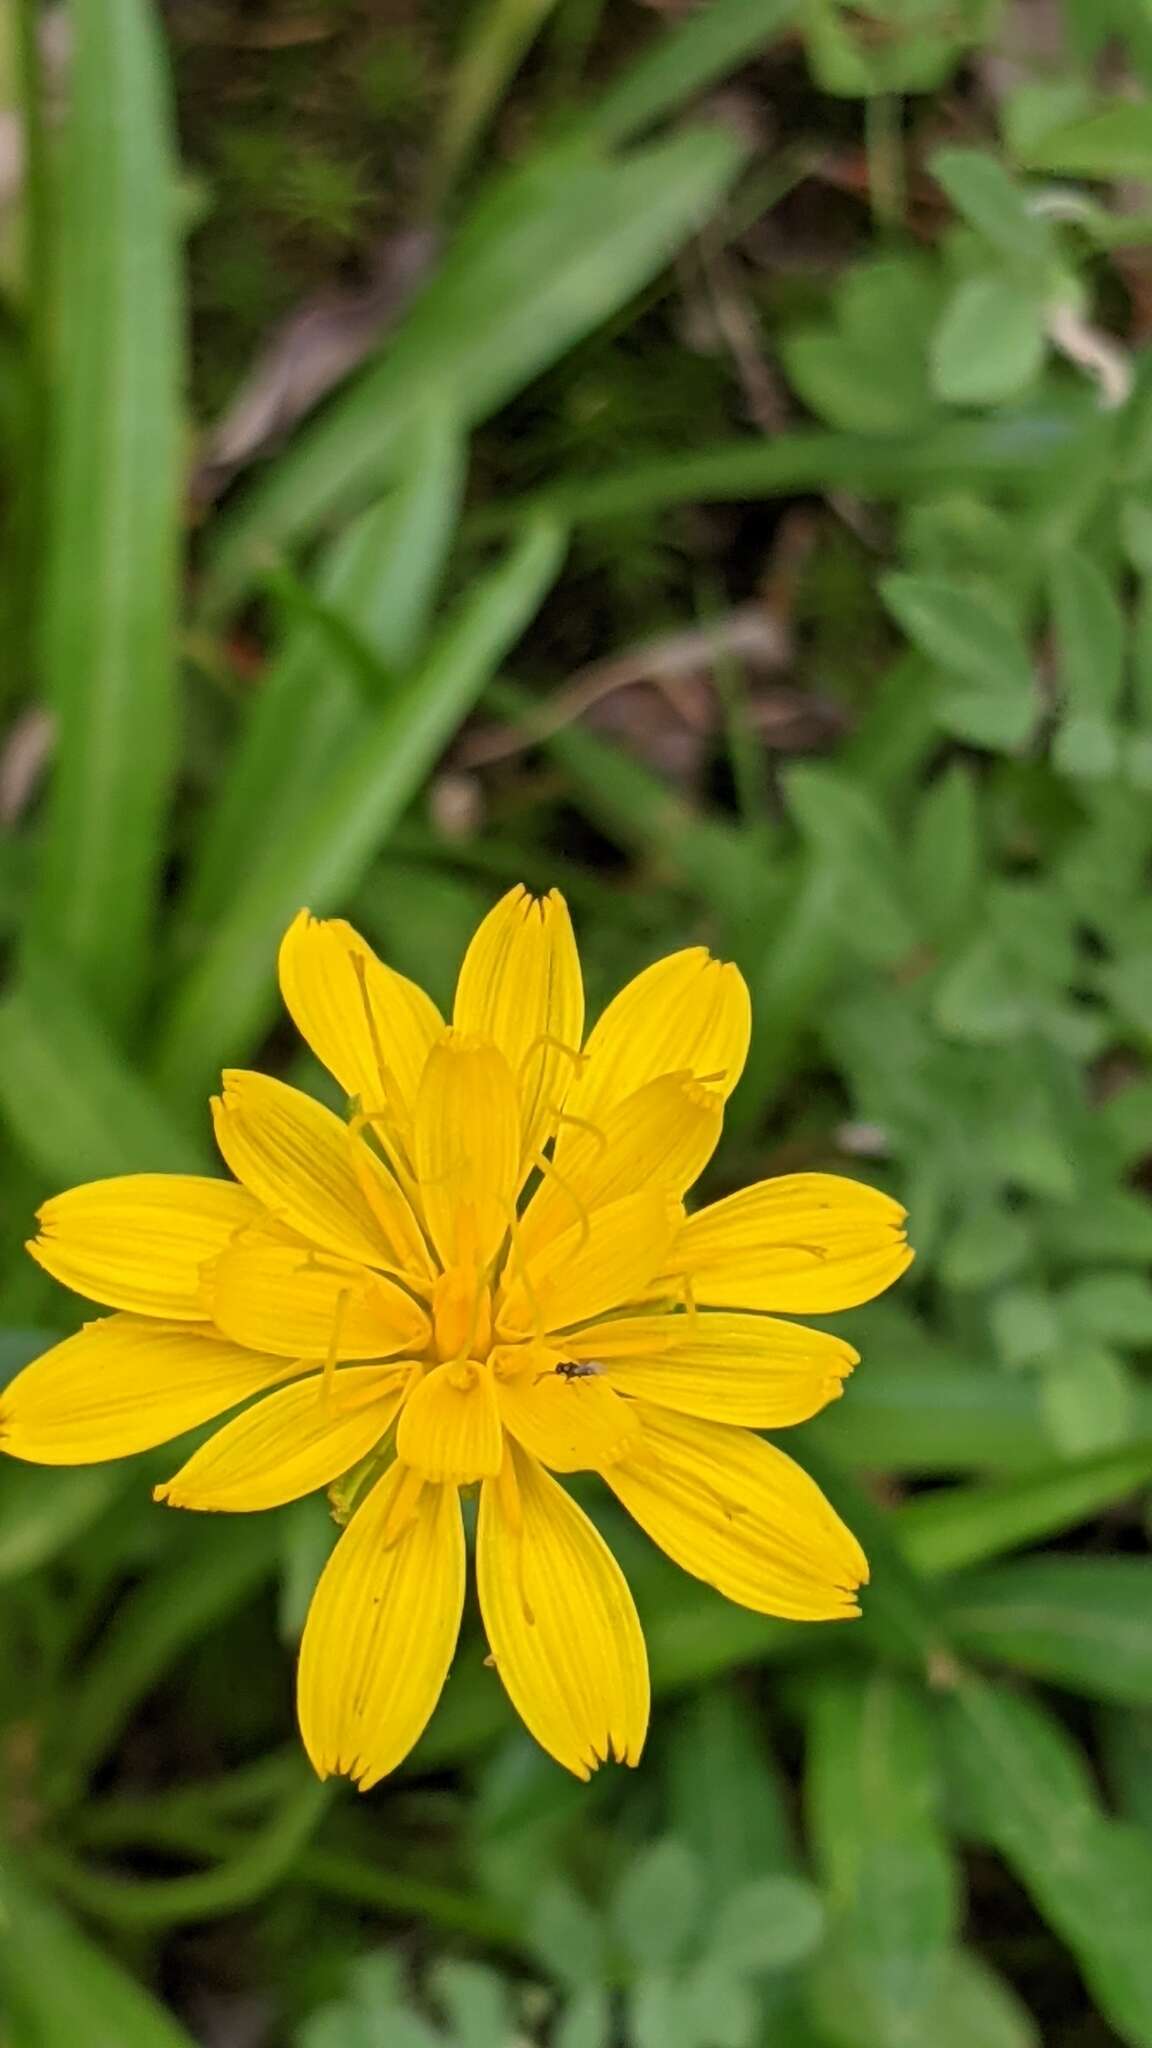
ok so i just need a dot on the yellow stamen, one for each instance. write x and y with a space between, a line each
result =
328 1377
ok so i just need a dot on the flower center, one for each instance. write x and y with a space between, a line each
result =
461 1315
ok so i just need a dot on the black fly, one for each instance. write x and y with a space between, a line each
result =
574 1369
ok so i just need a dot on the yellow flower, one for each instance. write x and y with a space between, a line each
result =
426 1329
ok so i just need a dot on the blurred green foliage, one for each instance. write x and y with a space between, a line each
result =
706 278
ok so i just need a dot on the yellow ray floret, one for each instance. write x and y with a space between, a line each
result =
482 1275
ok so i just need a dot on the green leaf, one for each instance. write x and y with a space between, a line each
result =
847 831
380 578
1113 142
558 248
586 2022
946 854
114 507
964 1525
219 1010
682 60
769 1924
725 1802
867 373
873 1797
1088 1399
42 1512
1091 632
168 1613
978 2009
1029 1789
657 1904
61 1987
966 631
1116 1307
1081 1622
568 1935
73 1103
990 342
990 200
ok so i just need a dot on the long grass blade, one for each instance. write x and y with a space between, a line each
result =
113 508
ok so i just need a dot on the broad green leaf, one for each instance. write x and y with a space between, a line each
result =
724 1799
381 579
990 341
567 1934
1081 1622
475 2002
873 1797
992 202
60 1989
74 1105
930 1415
657 1905
1028 1787
1088 1399
867 371
560 247
586 2022
114 507
946 854
1114 1306
978 2009
218 1012
1091 631
771 1923
967 632
849 833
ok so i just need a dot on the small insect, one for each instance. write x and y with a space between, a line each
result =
574 1369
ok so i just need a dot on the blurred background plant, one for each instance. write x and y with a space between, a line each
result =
699 457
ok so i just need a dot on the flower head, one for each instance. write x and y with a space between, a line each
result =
482 1277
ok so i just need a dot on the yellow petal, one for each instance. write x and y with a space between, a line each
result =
123 1385
381 1631
520 987
305 1304
299 1161
572 1425
369 1026
297 1440
140 1242
450 1425
685 1014
754 1370
585 1271
466 1146
806 1244
661 1137
561 1622
735 1512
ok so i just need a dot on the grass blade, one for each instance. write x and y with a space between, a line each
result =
685 61
553 253
114 507
69 1099
382 577
228 999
